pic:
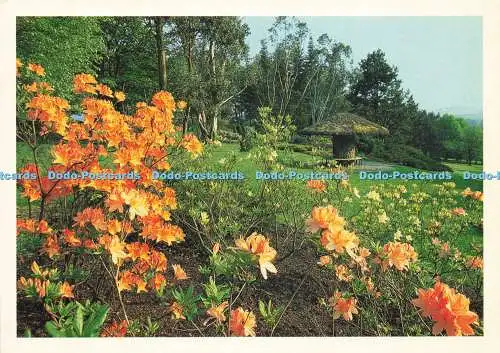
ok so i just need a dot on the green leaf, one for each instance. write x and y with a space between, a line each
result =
52 330
95 321
262 308
78 321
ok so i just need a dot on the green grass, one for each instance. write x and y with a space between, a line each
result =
462 167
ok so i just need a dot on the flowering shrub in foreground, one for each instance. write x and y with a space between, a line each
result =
126 209
357 270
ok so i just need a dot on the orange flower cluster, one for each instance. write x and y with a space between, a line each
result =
458 211
475 262
258 245
344 307
217 312
192 144
177 311
37 69
476 195
449 310
41 282
33 226
317 185
51 111
324 218
399 255
41 87
242 323
115 329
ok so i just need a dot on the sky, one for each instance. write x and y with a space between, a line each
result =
439 58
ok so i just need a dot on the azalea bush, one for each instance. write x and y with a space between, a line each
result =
396 257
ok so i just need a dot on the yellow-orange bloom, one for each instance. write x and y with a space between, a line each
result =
191 143
66 290
324 218
37 69
217 312
242 323
324 260
84 83
339 240
449 310
19 64
476 262
257 244
317 185
179 273
163 100
181 105
399 255
344 307
177 311
458 211
120 96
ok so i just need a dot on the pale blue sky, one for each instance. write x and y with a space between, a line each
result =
439 58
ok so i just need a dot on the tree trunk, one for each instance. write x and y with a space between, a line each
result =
161 52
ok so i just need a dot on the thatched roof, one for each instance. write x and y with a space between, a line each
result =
345 124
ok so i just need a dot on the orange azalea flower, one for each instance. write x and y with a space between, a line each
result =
257 244
444 250
84 83
137 250
181 105
344 307
458 211
242 323
476 262
19 64
177 311
217 312
115 329
66 290
120 96
44 86
70 238
104 90
51 246
157 261
114 226
192 144
158 281
338 239
163 100
323 218
37 69
179 272
137 203
467 192
324 260
116 248
343 273
399 255
449 310
90 244
478 195
317 185
30 88
43 227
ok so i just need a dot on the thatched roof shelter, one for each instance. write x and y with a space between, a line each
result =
343 128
